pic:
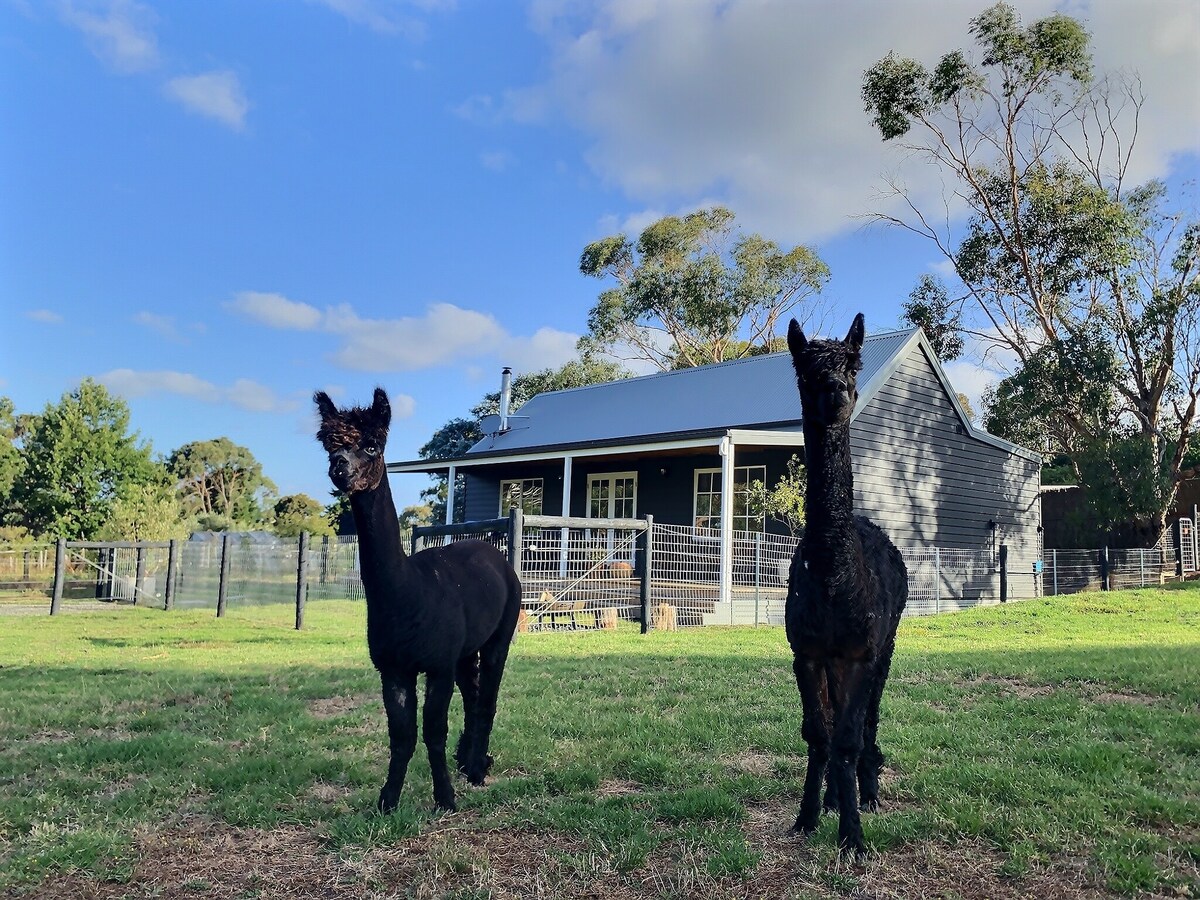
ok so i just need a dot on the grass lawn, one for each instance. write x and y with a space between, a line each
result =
1047 748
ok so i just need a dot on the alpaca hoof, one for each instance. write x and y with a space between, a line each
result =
803 827
869 805
387 800
852 848
446 804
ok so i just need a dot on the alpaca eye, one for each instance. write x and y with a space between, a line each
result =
371 450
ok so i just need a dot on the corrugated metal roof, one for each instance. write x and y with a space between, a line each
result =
760 390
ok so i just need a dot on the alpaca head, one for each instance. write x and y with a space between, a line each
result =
827 374
354 438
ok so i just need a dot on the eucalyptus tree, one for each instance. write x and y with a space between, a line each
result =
1087 282
693 290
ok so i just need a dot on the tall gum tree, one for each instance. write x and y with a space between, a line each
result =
1086 281
693 290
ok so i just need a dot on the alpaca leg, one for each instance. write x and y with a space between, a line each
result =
834 701
847 748
870 763
467 678
810 678
400 702
439 688
491 669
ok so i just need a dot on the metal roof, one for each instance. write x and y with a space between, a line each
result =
757 391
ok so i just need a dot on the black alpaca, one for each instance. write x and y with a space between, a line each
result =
449 612
847 588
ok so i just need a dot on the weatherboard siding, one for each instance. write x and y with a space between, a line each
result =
928 482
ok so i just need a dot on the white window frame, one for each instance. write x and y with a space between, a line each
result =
611 477
715 528
523 481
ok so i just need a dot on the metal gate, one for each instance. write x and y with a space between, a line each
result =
1187 545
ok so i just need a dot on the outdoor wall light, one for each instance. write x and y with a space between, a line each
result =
663 472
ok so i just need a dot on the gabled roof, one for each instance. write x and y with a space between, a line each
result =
757 391
698 403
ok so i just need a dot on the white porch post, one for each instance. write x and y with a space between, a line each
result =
725 594
453 476
566 511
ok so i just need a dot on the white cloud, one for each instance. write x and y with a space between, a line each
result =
243 393
163 326
496 160
757 101
216 94
46 316
546 348
120 33
383 17
445 333
276 310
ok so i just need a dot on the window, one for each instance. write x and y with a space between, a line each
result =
708 499
612 495
525 495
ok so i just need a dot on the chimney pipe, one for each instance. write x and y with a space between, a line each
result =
505 397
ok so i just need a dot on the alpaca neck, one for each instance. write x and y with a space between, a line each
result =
381 555
831 539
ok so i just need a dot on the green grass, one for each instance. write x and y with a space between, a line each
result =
1059 736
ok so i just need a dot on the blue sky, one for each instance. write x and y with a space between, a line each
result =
218 207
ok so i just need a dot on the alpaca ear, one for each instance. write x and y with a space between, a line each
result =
382 408
324 405
856 334
796 339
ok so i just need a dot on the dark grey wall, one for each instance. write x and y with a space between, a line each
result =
921 476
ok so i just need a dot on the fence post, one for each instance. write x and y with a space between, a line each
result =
757 572
324 557
172 570
1004 573
102 567
301 580
1054 556
223 585
139 577
60 574
516 536
647 567
1105 574
937 580
25 567
1142 568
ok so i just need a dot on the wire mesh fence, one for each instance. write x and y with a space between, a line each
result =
26 569
576 573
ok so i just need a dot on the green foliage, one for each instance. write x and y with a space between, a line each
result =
221 479
1063 383
11 463
930 308
1089 283
147 512
1024 63
691 291
295 513
79 460
338 515
412 517
785 502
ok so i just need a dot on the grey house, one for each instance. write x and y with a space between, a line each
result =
683 446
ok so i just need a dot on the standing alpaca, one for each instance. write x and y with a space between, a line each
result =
847 588
449 612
